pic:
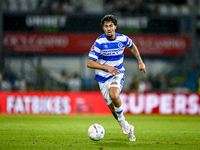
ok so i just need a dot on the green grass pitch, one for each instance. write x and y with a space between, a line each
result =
70 132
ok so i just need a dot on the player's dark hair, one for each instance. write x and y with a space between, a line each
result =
108 18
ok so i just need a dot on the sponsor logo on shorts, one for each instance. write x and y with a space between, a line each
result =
114 83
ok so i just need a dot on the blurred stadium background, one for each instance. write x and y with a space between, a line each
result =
45 44
174 66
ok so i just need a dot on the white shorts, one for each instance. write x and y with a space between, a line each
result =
116 81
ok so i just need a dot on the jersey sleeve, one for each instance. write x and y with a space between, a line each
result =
95 51
129 42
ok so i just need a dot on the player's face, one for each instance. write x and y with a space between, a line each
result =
109 29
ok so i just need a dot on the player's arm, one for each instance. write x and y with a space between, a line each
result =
136 53
95 65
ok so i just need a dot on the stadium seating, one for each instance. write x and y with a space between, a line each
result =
27 6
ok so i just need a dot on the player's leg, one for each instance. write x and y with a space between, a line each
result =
131 135
114 95
116 108
112 109
104 87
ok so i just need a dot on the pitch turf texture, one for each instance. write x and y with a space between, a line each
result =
70 132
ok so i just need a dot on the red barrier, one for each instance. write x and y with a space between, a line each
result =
81 43
93 103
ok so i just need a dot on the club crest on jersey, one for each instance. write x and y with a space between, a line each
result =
120 45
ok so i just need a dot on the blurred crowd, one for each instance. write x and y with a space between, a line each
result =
69 82
57 7
162 83
73 82
147 7
117 7
131 7
10 83
68 7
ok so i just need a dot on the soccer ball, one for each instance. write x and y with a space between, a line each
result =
96 132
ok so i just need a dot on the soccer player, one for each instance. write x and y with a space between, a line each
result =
106 57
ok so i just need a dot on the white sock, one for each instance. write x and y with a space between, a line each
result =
119 112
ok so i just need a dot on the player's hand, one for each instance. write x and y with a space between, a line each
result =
142 67
114 71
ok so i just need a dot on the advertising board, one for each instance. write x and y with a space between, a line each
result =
71 103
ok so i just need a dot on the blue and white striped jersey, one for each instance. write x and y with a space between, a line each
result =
109 52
